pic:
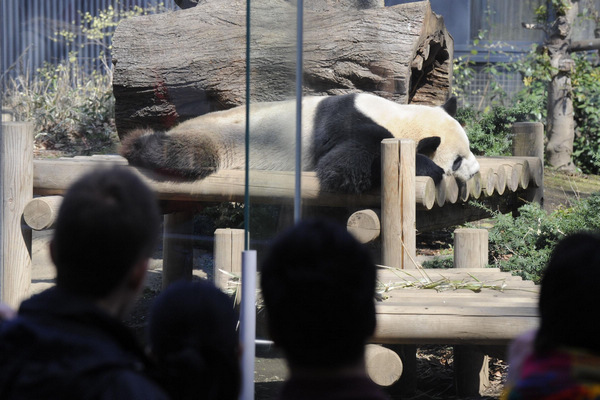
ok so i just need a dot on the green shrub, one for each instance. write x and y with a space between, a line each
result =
515 245
537 71
67 107
586 104
72 110
523 244
439 262
490 131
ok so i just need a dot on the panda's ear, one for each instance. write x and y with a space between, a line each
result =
451 106
428 145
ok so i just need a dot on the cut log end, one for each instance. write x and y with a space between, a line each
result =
40 213
384 366
365 225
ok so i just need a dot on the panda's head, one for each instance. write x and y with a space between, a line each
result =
452 154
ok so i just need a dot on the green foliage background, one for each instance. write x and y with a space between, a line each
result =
489 129
523 244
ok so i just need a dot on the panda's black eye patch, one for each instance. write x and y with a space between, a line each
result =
457 163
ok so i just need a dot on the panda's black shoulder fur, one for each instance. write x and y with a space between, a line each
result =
346 147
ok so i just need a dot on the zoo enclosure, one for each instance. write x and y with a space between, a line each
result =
29 31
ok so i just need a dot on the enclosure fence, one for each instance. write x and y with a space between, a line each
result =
35 32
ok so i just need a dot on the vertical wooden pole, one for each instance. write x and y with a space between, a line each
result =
16 190
471 371
398 204
471 366
178 254
398 232
391 204
470 248
407 384
229 245
409 204
528 141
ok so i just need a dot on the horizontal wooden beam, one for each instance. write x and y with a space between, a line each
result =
436 206
414 327
53 177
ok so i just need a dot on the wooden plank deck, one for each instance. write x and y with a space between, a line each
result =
426 316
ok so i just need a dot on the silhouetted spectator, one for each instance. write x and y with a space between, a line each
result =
68 342
564 359
192 333
318 286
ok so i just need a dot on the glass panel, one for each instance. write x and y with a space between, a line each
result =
272 73
271 148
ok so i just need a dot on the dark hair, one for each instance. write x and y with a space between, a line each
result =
108 221
192 333
318 285
570 295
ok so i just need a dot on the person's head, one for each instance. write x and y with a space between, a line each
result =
192 334
570 295
108 223
318 285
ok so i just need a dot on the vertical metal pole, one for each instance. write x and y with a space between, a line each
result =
247 176
299 69
3 56
248 323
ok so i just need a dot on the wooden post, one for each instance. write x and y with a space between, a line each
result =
229 245
41 213
409 208
471 371
16 190
178 255
398 207
471 368
407 384
528 140
391 205
384 366
470 248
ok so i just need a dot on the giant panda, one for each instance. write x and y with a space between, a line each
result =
341 138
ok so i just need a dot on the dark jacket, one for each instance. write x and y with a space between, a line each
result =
64 347
343 388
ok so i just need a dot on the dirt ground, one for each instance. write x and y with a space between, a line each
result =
434 363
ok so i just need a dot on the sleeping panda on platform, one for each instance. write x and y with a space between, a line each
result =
341 138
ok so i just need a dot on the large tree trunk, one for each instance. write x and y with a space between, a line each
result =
560 121
175 66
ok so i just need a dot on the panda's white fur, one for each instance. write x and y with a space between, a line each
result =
418 122
341 138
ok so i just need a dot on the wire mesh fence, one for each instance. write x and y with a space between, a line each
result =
35 33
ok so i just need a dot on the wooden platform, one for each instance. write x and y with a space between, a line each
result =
503 308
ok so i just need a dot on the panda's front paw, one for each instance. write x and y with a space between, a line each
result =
426 167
